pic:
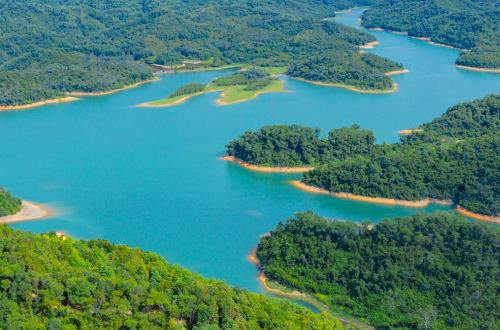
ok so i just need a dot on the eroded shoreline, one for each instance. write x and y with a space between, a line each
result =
390 201
393 89
29 212
471 68
267 169
56 100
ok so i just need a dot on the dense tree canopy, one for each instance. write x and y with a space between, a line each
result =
51 47
467 24
428 271
52 283
295 145
188 89
455 157
8 204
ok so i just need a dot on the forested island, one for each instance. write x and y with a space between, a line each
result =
53 282
454 158
428 271
114 43
465 24
238 87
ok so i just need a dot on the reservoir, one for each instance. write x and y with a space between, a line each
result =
151 178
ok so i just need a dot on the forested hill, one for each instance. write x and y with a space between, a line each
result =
48 282
455 157
51 47
467 24
8 204
428 271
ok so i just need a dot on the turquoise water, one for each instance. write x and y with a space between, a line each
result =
150 178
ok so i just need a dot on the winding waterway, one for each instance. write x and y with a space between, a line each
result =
150 178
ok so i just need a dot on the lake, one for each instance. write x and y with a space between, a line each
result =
151 178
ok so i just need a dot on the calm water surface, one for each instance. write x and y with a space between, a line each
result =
150 178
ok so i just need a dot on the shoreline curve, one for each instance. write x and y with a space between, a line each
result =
376 200
38 104
266 169
477 216
472 68
101 93
393 89
29 212
391 201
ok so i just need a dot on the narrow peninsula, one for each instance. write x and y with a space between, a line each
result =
241 86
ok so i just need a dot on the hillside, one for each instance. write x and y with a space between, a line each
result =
455 157
428 271
49 282
48 48
466 24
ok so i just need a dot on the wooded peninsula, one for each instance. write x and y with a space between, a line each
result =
428 271
456 157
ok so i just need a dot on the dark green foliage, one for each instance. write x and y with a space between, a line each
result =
8 204
51 283
188 89
465 120
456 157
364 71
428 271
296 145
252 77
466 24
50 47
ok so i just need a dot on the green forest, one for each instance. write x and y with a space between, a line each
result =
427 271
8 204
188 89
49 282
48 48
295 145
466 24
455 157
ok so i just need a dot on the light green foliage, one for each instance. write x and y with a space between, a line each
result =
428 271
8 204
51 283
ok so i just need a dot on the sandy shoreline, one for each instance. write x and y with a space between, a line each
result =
476 216
369 45
396 72
137 84
267 169
29 212
390 201
179 101
38 104
409 131
263 280
350 88
471 68
377 200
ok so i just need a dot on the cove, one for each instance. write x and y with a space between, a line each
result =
151 178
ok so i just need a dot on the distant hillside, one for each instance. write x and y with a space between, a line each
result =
51 47
467 24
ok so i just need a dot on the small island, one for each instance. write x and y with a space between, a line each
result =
241 86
